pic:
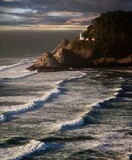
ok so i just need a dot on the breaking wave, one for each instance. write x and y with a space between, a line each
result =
79 122
39 102
19 152
2 68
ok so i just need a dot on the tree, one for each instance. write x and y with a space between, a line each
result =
113 33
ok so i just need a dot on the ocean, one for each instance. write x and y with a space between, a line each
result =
66 115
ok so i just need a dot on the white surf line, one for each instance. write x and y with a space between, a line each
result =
50 94
78 76
23 151
11 66
71 125
30 105
2 118
19 152
29 73
80 121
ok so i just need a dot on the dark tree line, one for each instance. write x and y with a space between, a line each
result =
113 34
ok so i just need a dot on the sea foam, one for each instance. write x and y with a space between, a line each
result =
23 75
71 125
80 121
16 71
2 68
56 89
2 118
19 152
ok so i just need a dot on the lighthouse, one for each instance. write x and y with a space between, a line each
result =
81 36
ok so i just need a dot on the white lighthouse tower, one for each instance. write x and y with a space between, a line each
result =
81 36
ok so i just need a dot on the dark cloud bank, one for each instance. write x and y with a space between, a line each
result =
56 12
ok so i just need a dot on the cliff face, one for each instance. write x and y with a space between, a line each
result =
60 58
45 61
62 44
109 44
83 48
113 34
67 58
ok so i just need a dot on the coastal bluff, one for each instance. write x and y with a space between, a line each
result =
60 58
107 42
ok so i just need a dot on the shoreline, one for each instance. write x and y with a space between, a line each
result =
129 68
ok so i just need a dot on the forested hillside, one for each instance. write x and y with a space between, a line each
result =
112 32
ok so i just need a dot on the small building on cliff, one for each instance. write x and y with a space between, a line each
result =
82 38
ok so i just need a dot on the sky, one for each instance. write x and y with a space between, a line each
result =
55 14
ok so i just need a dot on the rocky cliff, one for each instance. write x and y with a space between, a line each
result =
63 58
46 61
109 44
60 58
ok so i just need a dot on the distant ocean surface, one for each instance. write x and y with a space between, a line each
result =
69 115
31 43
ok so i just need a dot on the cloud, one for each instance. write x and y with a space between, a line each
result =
64 13
84 20
59 12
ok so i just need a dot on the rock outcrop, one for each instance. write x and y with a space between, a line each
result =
46 61
104 61
111 47
62 44
60 58
67 58
109 61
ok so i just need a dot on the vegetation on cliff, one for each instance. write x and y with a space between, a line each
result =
106 42
112 32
